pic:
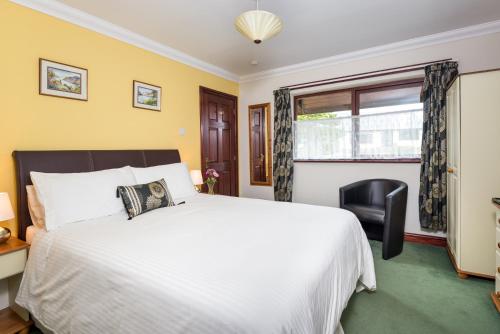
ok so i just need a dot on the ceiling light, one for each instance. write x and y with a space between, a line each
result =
258 25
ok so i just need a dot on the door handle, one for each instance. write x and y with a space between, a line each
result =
450 170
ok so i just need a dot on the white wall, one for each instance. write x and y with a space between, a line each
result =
318 183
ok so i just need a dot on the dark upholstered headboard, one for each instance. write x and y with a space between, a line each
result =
75 162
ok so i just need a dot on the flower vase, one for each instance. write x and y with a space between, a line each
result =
211 188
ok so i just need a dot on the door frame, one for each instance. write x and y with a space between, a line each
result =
269 143
235 114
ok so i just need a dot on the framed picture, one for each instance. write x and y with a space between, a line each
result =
146 96
61 80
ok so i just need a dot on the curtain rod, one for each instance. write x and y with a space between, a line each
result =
365 75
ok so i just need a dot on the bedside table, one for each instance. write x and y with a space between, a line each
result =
13 254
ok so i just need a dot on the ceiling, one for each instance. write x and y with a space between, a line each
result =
313 29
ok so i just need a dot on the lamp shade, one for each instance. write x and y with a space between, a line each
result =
6 212
258 25
196 177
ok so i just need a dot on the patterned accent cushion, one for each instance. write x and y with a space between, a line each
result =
142 198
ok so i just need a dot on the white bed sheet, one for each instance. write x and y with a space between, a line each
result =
213 265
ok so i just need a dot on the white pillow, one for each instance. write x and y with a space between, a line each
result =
176 175
72 197
36 209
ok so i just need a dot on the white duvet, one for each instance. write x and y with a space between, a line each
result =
213 265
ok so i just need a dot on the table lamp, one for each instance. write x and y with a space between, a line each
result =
197 178
6 213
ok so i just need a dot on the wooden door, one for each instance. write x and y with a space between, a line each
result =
453 165
219 138
258 145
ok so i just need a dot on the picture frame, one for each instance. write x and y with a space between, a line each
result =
62 80
146 96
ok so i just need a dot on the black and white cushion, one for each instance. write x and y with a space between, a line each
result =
142 198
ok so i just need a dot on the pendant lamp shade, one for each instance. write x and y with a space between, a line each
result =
258 25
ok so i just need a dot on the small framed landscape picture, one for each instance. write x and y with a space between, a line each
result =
61 80
146 96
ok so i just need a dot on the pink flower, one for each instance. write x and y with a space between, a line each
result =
212 173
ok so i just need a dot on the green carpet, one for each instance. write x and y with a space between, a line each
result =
419 292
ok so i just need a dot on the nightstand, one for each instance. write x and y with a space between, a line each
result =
13 254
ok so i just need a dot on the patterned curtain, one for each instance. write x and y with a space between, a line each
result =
432 196
283 146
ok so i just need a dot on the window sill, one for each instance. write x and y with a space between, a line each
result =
374 161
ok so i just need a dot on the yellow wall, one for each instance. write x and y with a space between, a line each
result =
29 121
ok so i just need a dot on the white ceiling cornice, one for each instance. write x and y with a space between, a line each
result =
83 19
78 17
414 43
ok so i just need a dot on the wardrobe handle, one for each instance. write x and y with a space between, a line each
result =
450 170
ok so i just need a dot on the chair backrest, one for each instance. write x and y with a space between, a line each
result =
377 189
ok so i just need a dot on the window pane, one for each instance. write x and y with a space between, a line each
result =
323 139
389 100
389 135
330 105
323 127
392 118
389 124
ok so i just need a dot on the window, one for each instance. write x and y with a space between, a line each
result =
382 122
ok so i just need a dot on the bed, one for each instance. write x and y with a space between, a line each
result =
211 265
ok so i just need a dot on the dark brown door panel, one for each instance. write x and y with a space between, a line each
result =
219 138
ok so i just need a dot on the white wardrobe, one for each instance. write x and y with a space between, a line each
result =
473 137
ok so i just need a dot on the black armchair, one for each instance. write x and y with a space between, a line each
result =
380 206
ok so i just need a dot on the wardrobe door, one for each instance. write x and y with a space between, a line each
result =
479 174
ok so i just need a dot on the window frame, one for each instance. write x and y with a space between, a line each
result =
355 92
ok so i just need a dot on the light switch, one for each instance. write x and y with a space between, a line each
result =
182 131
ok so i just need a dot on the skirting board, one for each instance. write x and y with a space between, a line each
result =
426 239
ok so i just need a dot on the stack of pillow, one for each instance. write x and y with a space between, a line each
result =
56 199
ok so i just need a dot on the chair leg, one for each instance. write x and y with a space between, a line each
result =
392 245
390 253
